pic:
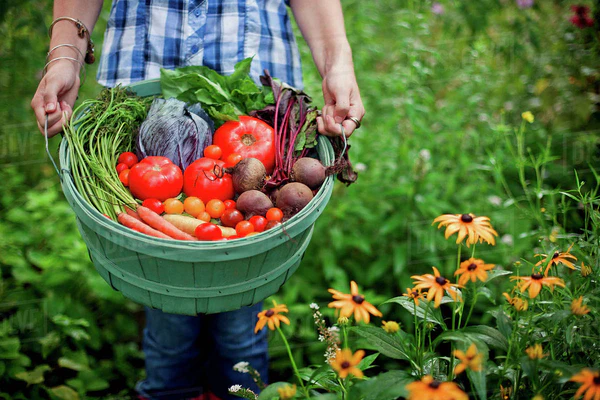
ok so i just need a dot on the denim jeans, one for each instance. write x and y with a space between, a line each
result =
186 356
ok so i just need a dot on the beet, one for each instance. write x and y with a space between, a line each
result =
293 197
248 174
253 202
309 171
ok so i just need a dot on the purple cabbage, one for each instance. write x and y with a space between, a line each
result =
175 130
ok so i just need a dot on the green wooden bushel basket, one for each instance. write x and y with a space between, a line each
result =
194 277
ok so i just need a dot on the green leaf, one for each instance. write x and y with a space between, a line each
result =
366 362
36 376
503 321
491 336
88 381
63 392
9 348
433 314
486 292
478 381
497 273
63 320
389 385
386 344
270 392
76 361
49 342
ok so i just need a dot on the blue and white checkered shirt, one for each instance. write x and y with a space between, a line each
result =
143 36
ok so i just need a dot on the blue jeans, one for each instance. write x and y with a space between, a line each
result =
186 356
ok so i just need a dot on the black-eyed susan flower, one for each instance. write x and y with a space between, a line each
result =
272 317
430 389
287 392
535 282
345 363
535 352
414 294
470 359
505 392
467 226
586 270
557 258
390 326
590 384
578 308
518 303
472 269
353 303
436 285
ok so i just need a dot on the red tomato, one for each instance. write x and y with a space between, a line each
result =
124 177
258 222
229 204
213 152
121 167
231 217
155 177
199 180
128 158
248 137
155 205
208 231
243 228
232 160
274 214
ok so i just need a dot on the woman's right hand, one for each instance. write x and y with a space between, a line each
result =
56 95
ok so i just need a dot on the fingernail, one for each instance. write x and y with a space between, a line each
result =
50 107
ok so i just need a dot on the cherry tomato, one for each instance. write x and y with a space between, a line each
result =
173 206
124 177
232 160
155 177
274 214
215 208
231 217
213 151
193 206
232 237
243 228
128 158
272 224
121 167
258 222
204 216
229 204
248 137
155 205
199 180
208 231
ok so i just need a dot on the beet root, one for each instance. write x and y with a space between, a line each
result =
253 202
248 174
293 197
309 171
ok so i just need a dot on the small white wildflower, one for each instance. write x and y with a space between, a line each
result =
360 167
235 388
495 200
314 306
321 338
242 367
333 329
425 154
507 240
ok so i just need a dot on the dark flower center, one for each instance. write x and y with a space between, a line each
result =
358 299
269 313
555 255
415 293
345 365
537 277
466 218
440 280
435 384
472 267
597 380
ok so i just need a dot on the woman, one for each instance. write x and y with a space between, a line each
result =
187 355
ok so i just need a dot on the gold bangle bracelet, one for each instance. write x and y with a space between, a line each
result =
82 32
67 58
65 45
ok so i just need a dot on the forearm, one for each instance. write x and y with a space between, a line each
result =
322 25
65 32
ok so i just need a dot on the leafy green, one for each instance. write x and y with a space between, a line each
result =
224 97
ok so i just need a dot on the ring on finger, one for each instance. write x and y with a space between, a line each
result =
355 120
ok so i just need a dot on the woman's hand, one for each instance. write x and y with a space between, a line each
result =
56 95
342 101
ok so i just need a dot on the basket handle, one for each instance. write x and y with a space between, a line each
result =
48 150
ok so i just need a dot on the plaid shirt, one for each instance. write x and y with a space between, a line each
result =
143 36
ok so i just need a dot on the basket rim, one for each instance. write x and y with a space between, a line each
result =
309 212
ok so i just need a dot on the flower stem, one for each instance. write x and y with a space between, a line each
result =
289 350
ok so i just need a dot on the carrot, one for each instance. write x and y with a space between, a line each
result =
133 214
132 223
166 227
189 224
